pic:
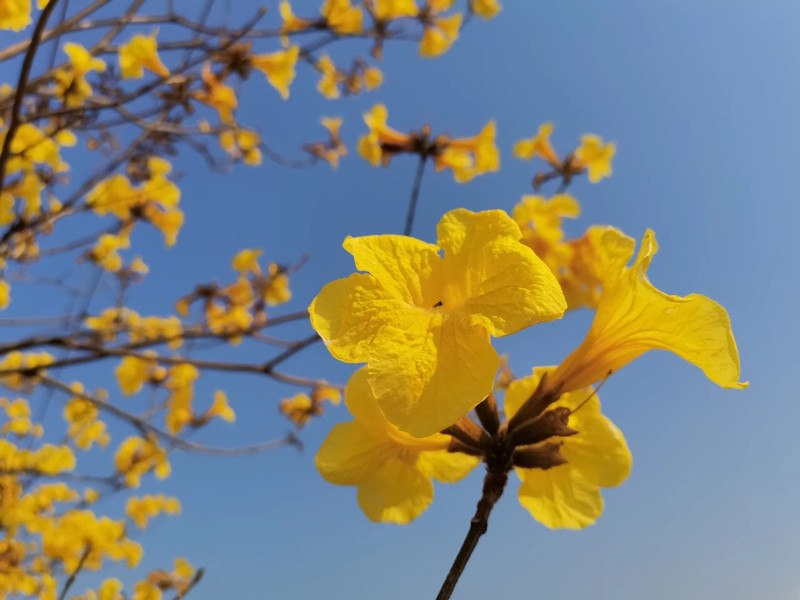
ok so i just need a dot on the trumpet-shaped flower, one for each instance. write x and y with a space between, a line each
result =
391 469
342 17
382 142
71 82
291 23
217 94
139 54
485 9
439 35
387 10
633 317
15 14
422 322
595 156
279 67
539 145
468 157
568 495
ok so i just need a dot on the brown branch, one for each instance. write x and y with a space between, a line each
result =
493 485
22 84
180 443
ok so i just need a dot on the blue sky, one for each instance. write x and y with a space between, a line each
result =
701 99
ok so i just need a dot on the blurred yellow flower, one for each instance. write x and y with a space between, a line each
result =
141 53
279 67
595 156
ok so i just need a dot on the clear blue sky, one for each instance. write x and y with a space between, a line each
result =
702 100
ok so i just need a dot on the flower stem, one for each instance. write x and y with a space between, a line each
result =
412 205
493 485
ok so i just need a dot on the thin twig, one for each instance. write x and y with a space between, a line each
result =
412 205
84 556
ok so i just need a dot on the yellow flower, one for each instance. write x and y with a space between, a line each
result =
439 35
468 157
5 294
279 67
15 14
386 10
539 145
139 54
391 469
341 17
132 373
422 322
137 456
105 252
633 317
71 82
220 408
110 589
141 510
334 148
276 288
217 94
485 9
328 84
595 156
568 495
382 142
573 262
241 144
299 409
291 23
246 261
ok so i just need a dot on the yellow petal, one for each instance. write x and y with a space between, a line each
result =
351 454
598 451
406 266
634 317
427 370
397 493
501 283
560 498
348 313
444 466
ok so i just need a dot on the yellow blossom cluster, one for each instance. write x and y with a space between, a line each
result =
421 317
155 201
465 157
113 322
141 510
593 155
300 408
232 310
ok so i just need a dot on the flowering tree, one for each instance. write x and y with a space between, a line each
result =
138 84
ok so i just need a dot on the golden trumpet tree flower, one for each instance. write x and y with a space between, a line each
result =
486 9
595 156
15 14
141 53
342 17
279 68
422 321
567 496
391 469
633 316
539 145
